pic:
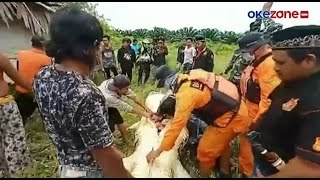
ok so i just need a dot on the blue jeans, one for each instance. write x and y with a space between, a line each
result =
70 172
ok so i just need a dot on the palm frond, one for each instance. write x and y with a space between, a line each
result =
35 15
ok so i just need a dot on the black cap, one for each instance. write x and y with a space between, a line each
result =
251 41
162 73
118 82
200 38
297 37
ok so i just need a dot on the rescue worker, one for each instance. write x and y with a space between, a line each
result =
145 60
224 112
204 58
291 125
240 61
259 79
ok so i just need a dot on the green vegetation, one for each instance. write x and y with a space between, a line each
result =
44 153
214 35
41 148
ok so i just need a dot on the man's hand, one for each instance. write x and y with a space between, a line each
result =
267 6
153 155
147 115
155 118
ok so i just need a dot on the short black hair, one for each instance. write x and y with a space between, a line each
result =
167 106
134 40
298 55
71 38
106 36
128 40
189 38
37 41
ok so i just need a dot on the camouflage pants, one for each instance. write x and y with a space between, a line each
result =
70 172
14 154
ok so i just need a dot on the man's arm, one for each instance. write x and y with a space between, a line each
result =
306 164
120 56
140 102
133 56
185 105
268 81
6 66
210 61
255 26
96 136
231 63
123 106
165 50
114 57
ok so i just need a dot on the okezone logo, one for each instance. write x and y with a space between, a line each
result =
279 14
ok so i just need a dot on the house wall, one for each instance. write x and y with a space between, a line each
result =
14 38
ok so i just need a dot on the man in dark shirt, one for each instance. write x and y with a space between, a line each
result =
126 58
180 55
161 51
108 58
205 57
291 126
72 107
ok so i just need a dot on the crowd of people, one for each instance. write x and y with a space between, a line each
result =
270 100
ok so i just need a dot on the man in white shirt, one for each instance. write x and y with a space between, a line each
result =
113 89
189 54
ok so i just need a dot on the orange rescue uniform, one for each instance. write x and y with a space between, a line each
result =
30 62
265 75
216 139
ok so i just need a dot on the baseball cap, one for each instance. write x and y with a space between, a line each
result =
251 41
118 82
162 74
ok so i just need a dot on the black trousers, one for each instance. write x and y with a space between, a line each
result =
26 105
115 118
144 69
127 70
108 70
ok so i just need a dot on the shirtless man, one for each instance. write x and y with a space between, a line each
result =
13 150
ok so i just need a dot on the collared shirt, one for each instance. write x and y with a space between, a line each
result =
113 99
75 116
291 126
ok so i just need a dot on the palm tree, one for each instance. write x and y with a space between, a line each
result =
35 15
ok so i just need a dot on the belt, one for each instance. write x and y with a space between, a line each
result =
6 99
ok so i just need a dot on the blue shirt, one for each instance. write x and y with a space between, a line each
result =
135 47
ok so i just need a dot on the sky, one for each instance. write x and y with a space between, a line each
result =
225 16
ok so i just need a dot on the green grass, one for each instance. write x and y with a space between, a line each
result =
44 153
